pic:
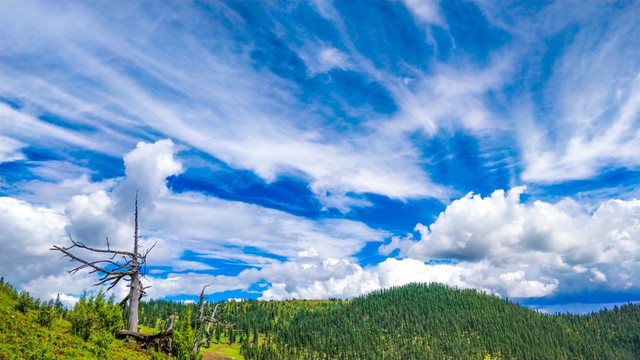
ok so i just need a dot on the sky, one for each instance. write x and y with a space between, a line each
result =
323 149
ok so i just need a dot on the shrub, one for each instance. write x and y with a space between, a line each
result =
95 314
103 341
45 315
183 337
25 302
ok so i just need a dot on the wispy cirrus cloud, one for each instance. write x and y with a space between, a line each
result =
352 116
144 90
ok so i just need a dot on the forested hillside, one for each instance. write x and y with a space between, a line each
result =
415 321
419 321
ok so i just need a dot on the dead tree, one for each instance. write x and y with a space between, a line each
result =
210 320
130 268
161 341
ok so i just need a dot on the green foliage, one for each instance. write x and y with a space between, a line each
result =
183 335
95 314
103 340
438 322
25 302
417 321
46 315
22 337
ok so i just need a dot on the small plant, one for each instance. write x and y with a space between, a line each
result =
94 314
25 302
45 315
103 341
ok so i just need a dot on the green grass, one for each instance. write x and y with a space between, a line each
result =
148 330
23 338
224 349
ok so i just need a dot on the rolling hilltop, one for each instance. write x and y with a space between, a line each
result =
415 321
419 321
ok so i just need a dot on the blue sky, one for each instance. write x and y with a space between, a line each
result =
326 149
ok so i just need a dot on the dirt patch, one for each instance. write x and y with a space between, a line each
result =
214 356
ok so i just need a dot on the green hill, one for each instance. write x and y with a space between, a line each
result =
415 321
41 331
421 321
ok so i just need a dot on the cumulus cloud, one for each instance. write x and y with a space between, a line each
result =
532 249
27 234
148 166
209 228
327 278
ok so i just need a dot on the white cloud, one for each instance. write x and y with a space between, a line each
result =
59 185
454 97
426 11
519 287
22 127
394 272
589 117
327 278
526 250
211 228
10 149
28 231
148 166
322 59
250 119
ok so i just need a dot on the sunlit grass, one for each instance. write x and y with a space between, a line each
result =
225 350
148 330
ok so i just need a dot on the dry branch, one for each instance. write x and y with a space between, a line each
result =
161 341
130 268
197 342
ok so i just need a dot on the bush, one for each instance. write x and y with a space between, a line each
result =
45 315
183 336
25 302
95 314
103 341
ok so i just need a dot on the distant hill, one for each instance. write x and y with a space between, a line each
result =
420 321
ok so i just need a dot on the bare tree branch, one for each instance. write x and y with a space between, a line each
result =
197 341
131 268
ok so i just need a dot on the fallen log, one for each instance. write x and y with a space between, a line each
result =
160 342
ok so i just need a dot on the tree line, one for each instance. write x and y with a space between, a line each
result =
418 321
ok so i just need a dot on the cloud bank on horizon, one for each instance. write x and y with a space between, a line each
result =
326 149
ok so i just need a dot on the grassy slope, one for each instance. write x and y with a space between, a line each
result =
215 351
21 337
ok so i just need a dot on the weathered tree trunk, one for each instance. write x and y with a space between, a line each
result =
130 268
134 300
197 341
135 286
162 341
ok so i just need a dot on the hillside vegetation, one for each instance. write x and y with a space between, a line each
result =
30 329
416 321
420 321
